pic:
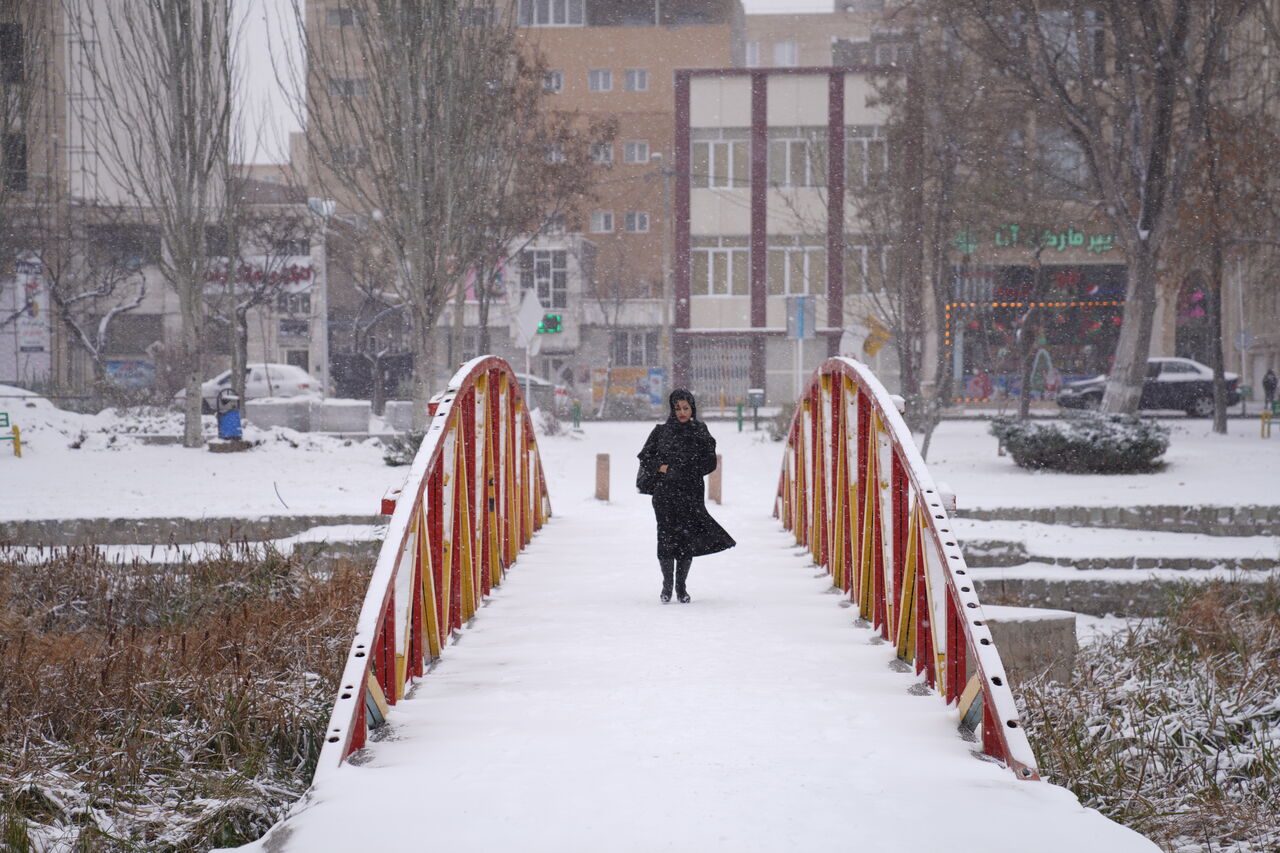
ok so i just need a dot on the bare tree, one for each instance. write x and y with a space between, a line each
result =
163 76
92 259
1130 84
417 115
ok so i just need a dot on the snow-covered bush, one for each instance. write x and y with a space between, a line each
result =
548 423
1086 443
1173 726
780 424
400 449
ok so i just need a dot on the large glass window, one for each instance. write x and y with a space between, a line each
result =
866 155
635 348
723 164
797 270
797 158
550 13
721 270
547 272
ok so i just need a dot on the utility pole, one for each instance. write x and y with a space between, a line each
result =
667 173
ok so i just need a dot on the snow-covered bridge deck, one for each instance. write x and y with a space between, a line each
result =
577 713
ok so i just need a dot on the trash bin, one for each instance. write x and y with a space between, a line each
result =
228 410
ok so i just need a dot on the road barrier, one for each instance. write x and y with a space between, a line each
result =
473 498
856 492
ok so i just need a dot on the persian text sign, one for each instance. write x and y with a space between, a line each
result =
1008 235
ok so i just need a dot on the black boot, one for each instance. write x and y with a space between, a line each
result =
682 574
667 564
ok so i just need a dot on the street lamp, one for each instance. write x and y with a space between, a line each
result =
668 310
323 208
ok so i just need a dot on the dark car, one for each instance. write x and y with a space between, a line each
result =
1171 383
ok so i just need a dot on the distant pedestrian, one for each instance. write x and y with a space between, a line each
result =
1269 386
677 455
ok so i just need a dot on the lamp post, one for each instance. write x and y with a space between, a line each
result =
324 209
668 308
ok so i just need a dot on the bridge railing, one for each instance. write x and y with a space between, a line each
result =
473 498
856 492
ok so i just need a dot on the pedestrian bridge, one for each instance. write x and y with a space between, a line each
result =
514 684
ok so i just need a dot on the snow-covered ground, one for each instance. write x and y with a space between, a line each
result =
577 713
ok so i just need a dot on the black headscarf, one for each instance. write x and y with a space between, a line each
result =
676 395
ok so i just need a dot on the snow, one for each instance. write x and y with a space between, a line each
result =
577 712
1049 539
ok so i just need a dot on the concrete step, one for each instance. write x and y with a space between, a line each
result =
1098 592
1208 520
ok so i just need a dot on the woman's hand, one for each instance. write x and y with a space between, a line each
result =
662 469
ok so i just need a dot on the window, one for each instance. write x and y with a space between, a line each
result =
636 80
600 80
723 164
11 59
131 333
753 54
636 221
14 162
798 158
352 155
550 13
555 152
343 16
855 267
635 348
1061 160
848 52
635 151
785 54
602 222
891 53
554 224
348 87
602 153
294 303
291 327
796 270
476 16
546 272
1061 46
866 155
130 246
722 269
293 246
553 81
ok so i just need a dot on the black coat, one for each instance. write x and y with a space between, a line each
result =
685 528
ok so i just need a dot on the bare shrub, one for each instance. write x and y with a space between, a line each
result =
1172 727
162 707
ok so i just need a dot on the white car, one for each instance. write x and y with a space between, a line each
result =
261 380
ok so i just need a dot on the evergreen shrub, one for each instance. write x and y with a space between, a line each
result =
1090 442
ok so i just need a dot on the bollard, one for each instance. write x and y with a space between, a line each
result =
713 487
602 476
739 416
577 414
1266 424
17 441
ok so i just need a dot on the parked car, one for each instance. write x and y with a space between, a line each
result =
543 394
260 380
1171 383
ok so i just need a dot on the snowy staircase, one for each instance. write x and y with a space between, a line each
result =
1117 560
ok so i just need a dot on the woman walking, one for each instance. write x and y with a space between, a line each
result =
678 454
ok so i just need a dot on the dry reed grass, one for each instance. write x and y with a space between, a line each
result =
1173 726
163 708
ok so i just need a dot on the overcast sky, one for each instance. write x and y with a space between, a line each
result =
269 120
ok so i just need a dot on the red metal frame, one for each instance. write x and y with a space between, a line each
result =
489 468
894 520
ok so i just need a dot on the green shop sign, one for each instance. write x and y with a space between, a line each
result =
968 241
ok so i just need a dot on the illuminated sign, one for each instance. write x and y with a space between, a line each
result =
551 323
968 241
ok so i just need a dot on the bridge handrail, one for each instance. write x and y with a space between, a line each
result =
441 555
893 548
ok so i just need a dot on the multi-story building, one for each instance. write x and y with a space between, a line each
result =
617 59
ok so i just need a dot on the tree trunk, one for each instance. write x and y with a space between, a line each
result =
239 352
1129 370
378 392
191 307
423 359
